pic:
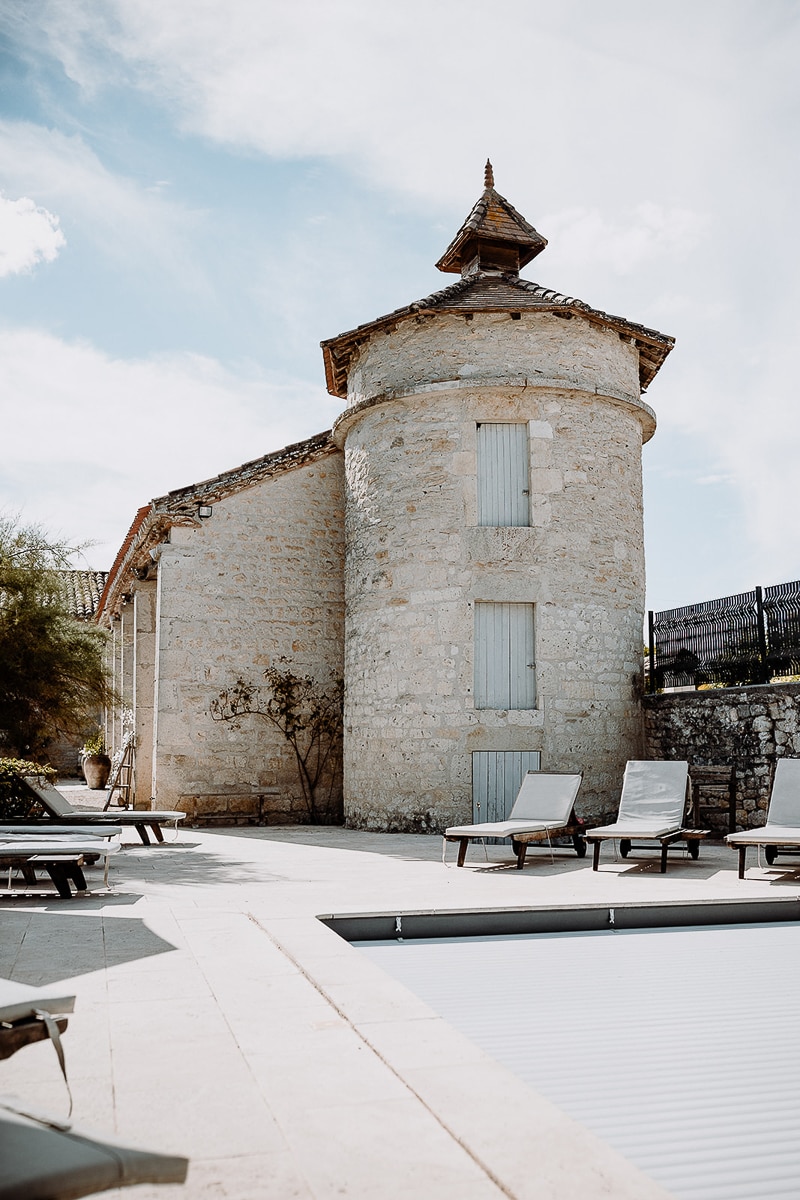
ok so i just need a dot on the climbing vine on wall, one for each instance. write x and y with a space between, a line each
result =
308 714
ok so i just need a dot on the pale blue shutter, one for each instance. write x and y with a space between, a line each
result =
503 475
496 778
505 669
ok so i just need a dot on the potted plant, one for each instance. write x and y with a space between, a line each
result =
96 763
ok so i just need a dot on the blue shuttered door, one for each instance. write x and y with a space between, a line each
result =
503 477
505 669
496 778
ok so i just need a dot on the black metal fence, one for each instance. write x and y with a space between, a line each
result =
750 638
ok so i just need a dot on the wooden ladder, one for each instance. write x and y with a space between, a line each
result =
123 777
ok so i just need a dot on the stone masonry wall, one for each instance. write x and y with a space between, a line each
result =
748 727
262 578
417 561
537 349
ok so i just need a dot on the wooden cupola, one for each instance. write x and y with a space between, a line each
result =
493 239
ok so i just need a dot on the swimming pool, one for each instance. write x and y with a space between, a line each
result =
676 1045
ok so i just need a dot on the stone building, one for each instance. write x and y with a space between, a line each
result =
465 546
216 581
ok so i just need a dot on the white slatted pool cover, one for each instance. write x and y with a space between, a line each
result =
679 1047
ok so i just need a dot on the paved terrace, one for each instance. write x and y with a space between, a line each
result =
216 1017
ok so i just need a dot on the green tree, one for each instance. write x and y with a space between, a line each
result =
309 717
52 679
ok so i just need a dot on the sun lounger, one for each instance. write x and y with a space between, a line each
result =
651 809
53 829
544 808
43 1157
782 829
22 1014
46 1159
58 809
61 856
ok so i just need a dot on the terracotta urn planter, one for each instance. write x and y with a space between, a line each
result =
96 770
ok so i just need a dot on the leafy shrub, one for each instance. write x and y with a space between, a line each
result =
17 801
96 744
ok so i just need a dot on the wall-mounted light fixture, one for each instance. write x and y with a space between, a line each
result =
204 510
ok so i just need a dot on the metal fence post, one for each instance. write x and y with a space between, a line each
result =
762 635
651 684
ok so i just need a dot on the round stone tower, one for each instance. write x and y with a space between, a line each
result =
494 541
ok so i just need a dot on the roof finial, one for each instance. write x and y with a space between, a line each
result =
488 175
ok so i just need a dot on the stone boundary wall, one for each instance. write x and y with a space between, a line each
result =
748 727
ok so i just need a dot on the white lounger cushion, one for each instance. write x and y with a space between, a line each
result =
766 835
53 830
783 816
21 847
124 816
652 802
632 829
60 806
18 1000
651 808
544 801
502 829
784 803
654 794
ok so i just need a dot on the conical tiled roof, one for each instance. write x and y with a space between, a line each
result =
494 221
494 293
488 250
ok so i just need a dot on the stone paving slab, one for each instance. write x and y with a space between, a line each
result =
217 1017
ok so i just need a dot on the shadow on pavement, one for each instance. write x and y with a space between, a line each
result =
52 946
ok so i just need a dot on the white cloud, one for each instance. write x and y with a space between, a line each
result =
92 438
126 220
29 235
712 480
632 239
416 94
744 424
655 137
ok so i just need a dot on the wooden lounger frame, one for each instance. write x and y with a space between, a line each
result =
63 869
574 828
692 837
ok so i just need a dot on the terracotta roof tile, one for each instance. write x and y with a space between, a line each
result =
82 591
493 293
495 218
130 537
185 500
179 507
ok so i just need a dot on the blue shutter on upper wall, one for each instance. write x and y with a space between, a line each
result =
505 665
503 474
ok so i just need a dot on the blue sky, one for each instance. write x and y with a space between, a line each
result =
195 193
